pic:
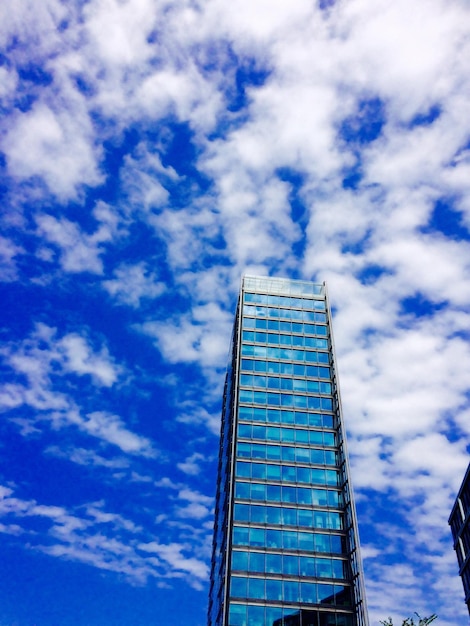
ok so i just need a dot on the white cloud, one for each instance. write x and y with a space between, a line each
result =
132 283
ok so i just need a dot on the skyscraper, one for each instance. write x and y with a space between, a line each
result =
460 525
285 548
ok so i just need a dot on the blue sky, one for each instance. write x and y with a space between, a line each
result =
153 152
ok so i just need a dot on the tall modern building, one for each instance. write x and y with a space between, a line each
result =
285 549
460 525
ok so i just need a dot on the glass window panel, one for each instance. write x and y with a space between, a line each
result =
288 417
290 539
313 386
315 419
300 402
255 615
329 439
317 456
324 372
305 517
256 562
274 416
289 494
330 457
316 437
259 414
274 493
243 469
272 368
258 451
242 490
288 435
273 472
304 495
302 455
258 492
324 568
286 368
314 402
334 498
237 615
242 512
343 595
327 404
273 592
289 473
306 541
273 325
258 432
273 399
258 514
318 476
290 564
322 543
307 566
273 433
244 431
257 537
273 452
337 544
273 538
320 497
247 364
259 366
238 586
258 470
326 594
244 449
256 588
304 475
308 592
260 324
338 568
248 350
273 563
301 436
273 515
260 337
291 591
240 560
286 399
288 454
286 384
273 383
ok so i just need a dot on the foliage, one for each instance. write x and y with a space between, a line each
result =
410 621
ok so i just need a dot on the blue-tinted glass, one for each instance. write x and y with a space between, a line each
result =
288 454
315 419
244 449
300 402
288 435
259 366
290 563
258 470
304 495
245 395
259 414
255 615
274 493
258 451
273 383
273 433
305 517
289 473
322 543
273 538
330 457
301 436
242 490
259 432
273 563
242 512
326 594
286 399
343 595
291 591
273 399
306 541
258 492
273 592
307 566
256 562
273 472
317 457
258 514
318 476
324 568
243 469
286 384
256 588
257 537
320 497
286 368
329 439
304 475
308 592
273 452
273 325
274 416
289 517
238 587
240 560
289 494
273 515
336 544
237 615
290 539
338 568
261 324
302 455
316 437
314 402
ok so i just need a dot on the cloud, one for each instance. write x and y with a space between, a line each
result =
133 283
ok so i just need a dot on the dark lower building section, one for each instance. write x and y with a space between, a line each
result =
460 525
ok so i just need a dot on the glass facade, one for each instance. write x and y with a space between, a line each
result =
460 525
285 549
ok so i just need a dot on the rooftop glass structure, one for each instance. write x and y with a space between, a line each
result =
460 525
285 548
